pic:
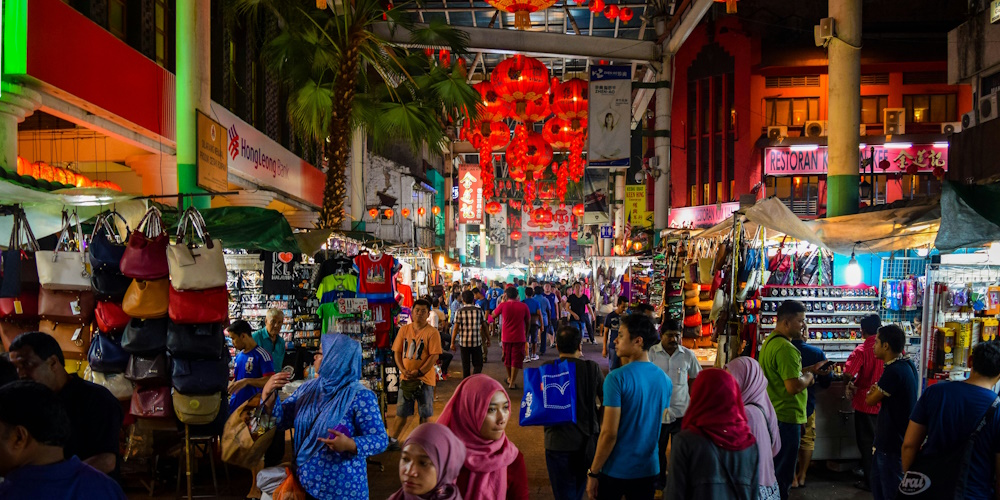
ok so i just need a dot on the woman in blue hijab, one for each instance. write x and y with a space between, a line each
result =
337 421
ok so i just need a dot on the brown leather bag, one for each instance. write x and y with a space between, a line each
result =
66 306
10 329
73 338
152 402
147 299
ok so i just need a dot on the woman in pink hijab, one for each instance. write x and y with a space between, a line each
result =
431 460
761 418
494 468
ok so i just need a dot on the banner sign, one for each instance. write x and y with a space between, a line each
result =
213 170
635 205
472 248
470 195
702 216
788 161
596 187
610 113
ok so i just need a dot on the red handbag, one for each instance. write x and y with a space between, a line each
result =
145 256
152 402
23 306
198 306
110 317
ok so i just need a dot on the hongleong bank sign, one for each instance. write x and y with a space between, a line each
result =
812 160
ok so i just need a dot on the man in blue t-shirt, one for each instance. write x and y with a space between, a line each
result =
636 396
948 412
536 323
543 312
610 327
811 355
492 295
252 367
896 390
553 301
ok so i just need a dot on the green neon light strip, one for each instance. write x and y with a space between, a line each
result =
15 36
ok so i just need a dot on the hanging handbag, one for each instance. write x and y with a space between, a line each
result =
109 285
199 306
147 299
120 387
73 338
193 267
106 354
24 306
145 336
247 434
196 341
11 328
152 402
68 306
145 255
200 377
196 410
149 371
67 267
107 245
110 317
20 274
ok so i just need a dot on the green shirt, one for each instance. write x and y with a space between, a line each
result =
781 361
275 349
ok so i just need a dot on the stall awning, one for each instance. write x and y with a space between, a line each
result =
886 230
970 216
773 215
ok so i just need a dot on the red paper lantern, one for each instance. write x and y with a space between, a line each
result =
569 101
611 11
625 14
521 9
421 211
532 111
537 153
520 79
578 209
538 257
405 212
574 235
429 52
542 215
491 135
388 213
515 235
434 210
596 6
912 169
884 164
559 134
493 208
373 212
938 173
444 57
23 167
491 107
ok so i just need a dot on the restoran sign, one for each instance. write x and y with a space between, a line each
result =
804 161
702 216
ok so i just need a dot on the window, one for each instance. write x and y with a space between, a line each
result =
160 23
871 108
931 108
791 112
875 79
781 82
116 18
710 141
802 194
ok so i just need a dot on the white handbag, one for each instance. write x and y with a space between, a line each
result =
120 387
194 267
67 267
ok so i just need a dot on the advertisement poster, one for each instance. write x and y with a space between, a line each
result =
635 206
472 248
595 196
470 195
610 116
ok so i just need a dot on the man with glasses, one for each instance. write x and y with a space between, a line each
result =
681 366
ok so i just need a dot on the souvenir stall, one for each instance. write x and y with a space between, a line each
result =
611 280
415 276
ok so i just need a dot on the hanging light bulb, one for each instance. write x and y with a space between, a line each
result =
853 272
923 251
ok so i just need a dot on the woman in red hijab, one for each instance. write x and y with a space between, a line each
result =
715 454
477 414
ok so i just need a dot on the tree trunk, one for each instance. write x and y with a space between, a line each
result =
339 148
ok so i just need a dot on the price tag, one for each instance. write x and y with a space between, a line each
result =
17 307
353 306
75 307
76 334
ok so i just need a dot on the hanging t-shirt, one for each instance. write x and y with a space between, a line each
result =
333 265
375 276
327 313
337 286
279 272
382 316
404 295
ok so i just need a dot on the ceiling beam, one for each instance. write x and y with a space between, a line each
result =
539 44
689 19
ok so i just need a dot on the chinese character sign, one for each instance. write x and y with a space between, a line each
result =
470 195
610 116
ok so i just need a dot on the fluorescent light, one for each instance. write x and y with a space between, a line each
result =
943 145
805 147
898 145
862 146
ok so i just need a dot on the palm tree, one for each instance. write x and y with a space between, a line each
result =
343 79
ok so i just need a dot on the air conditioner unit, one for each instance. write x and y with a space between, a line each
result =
814 128
777 133
988 108
864 130
895 121
969 120
948 128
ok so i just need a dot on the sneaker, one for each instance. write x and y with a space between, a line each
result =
527 359
552 345
393 445
534 358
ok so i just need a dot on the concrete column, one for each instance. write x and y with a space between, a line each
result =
844 108
661 141
16 104
194 91
618 202
158 173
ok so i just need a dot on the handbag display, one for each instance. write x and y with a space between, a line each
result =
200 377
107 245
149 371
152 402
24 306
193 267
196 410
145 336
20 274
67 267
68 306
247 436
145 255
196 341
110 286
110 317
11 328
120 387
106 354
73 338
147 299
199 306
549 394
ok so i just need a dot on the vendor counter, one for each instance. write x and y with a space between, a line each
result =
834 425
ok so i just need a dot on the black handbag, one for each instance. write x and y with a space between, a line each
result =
149 371
201 376
145 336
109 286
107 245
196 341
106 354
19 269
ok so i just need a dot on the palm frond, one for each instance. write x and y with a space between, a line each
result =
310 108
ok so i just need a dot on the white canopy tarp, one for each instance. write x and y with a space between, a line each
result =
881 231
773 215
44 209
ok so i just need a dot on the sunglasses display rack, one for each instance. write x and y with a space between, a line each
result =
832 314
248 301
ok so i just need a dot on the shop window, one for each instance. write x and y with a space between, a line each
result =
160 26
791 112
117 18
801 194
710 165
871 108
931 108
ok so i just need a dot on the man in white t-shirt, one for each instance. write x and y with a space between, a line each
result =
681 365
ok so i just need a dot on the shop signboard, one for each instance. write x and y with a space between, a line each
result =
610 113
702 216
814 160
470 194
995 11
213 170
635 205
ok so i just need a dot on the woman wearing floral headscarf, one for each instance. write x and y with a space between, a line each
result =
713 457
494 468
429 465
761 419
337 421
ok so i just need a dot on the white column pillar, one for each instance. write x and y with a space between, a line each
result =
844 108
16 103
158 173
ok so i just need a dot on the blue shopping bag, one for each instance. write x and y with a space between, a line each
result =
549 394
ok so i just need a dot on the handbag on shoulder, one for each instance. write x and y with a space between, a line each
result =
194 267
145 255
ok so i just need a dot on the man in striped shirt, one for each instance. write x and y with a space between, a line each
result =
469 332
862 371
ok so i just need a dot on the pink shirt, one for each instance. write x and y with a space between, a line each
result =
868 370
515 318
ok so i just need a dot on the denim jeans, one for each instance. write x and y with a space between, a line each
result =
567 473
580 325
613 361
784 461
544 334
887 472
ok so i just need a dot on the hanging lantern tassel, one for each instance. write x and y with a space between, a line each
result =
529 193
321 4
486 168
730 6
